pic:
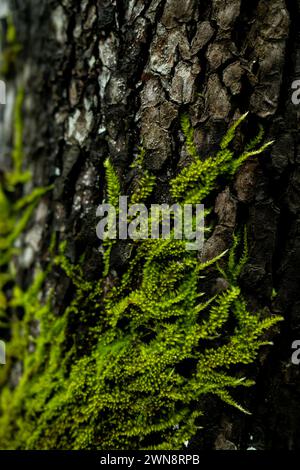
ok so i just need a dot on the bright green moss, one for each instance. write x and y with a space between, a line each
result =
146 181
159 342
200 178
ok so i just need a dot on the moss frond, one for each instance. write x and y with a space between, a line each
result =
112 182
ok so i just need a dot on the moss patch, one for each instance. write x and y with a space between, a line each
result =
155 344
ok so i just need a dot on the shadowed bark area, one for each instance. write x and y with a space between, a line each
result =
102 76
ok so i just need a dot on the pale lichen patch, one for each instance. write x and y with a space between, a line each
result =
80 124
60 23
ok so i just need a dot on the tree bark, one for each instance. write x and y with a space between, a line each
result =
102 76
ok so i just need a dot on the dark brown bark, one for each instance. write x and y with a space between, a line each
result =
101 76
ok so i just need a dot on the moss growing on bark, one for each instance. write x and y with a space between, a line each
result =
158 344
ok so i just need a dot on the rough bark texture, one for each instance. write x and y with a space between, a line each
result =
101 76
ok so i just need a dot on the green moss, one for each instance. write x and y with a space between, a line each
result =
15 213
11 49
17 175
198 180
158 343
146 181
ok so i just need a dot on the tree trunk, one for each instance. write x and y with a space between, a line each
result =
103 76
